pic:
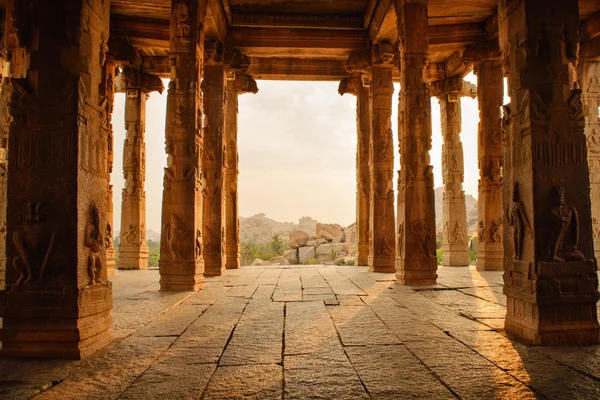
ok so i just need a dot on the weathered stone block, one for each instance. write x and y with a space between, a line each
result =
306 253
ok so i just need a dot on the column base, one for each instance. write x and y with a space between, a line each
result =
416 271
489 261
55 322
133 259
455 259
552 303
233 261
381 264
214 266
585 334
181 275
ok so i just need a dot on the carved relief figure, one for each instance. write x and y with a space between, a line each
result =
422 238
34 243
386 249
400 239
566 238
495 230
183 20
93 241
459 233
175 234
516 217
198 243
131 234
109 238
481 232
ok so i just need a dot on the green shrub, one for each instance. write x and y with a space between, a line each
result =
250 251
312 261
438 255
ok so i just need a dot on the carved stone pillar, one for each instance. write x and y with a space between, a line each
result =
214 161
107 89
133 249
6 121
382 234
416 262
57 300
490 93
181 263
455 241
235 86
359 65
550 276
589 78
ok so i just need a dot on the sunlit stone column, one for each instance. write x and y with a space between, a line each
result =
237 85
550 276
589 78
107 89
455 240
214 160
382 229
358 65
416 262
490 95
57 300
133 249
181 263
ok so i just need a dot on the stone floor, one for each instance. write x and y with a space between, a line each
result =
311 333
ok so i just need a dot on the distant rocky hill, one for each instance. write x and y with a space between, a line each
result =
471 211
260 229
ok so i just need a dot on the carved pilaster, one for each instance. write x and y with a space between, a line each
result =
181 259
214 161
133 249
490 93
57 300
416 262
550 276
382 234
107 93
589 78
235 86
455 240
359 65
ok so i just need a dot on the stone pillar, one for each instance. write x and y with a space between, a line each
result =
107 89
133 249
358 85
5 95
416 262
382 231
550 276
490 95
455 241
236 85
589 78
57 300
181 263
214 160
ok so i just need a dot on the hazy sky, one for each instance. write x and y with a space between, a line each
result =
297 148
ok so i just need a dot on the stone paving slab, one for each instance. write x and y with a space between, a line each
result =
311 332
258 336
246 382
403 377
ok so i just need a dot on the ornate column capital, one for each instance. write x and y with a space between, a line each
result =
454 87
132 78
383 54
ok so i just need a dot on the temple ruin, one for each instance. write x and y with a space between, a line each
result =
539 155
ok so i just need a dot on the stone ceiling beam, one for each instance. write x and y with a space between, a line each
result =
248 38
141 32
590 51
298 69
374 20
243 19
590 29
219 16
457 33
